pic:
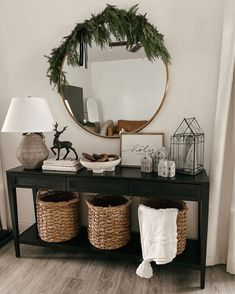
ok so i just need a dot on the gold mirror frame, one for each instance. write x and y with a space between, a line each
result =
167 66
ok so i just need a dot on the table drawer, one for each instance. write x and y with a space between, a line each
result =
97 185
166 190
50 182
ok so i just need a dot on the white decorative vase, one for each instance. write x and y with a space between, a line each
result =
32 151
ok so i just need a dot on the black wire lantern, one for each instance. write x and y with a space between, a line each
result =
187 147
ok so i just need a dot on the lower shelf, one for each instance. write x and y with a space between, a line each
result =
189 258
5 237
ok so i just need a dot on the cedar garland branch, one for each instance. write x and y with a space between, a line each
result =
125 25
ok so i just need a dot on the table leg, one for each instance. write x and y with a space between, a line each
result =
199 223
203 218
14 215
35 190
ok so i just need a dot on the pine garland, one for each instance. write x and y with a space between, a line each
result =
124 25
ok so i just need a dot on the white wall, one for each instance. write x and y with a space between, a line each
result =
29 29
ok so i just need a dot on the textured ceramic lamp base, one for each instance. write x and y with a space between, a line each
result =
32 151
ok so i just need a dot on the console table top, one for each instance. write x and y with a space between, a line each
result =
119 173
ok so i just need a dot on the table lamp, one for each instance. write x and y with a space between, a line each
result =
30 116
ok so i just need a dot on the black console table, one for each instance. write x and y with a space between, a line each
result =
127 181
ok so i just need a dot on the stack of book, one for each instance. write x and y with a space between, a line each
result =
68 164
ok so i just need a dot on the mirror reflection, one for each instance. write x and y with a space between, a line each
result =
119 91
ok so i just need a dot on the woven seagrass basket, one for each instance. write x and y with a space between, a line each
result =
108 221
181 217
57 215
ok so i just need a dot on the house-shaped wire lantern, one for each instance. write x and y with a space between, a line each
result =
187 147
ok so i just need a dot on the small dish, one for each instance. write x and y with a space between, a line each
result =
100 167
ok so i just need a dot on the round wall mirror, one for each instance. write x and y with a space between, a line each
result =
118 90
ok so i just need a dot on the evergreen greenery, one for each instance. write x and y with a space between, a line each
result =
125 25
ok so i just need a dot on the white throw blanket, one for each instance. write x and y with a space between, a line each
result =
158 233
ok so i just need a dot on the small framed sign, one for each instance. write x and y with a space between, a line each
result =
136 145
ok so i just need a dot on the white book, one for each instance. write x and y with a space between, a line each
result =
69 162
62 168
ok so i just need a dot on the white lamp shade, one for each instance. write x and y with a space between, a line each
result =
28 115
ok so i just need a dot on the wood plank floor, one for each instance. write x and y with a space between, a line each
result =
44 271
